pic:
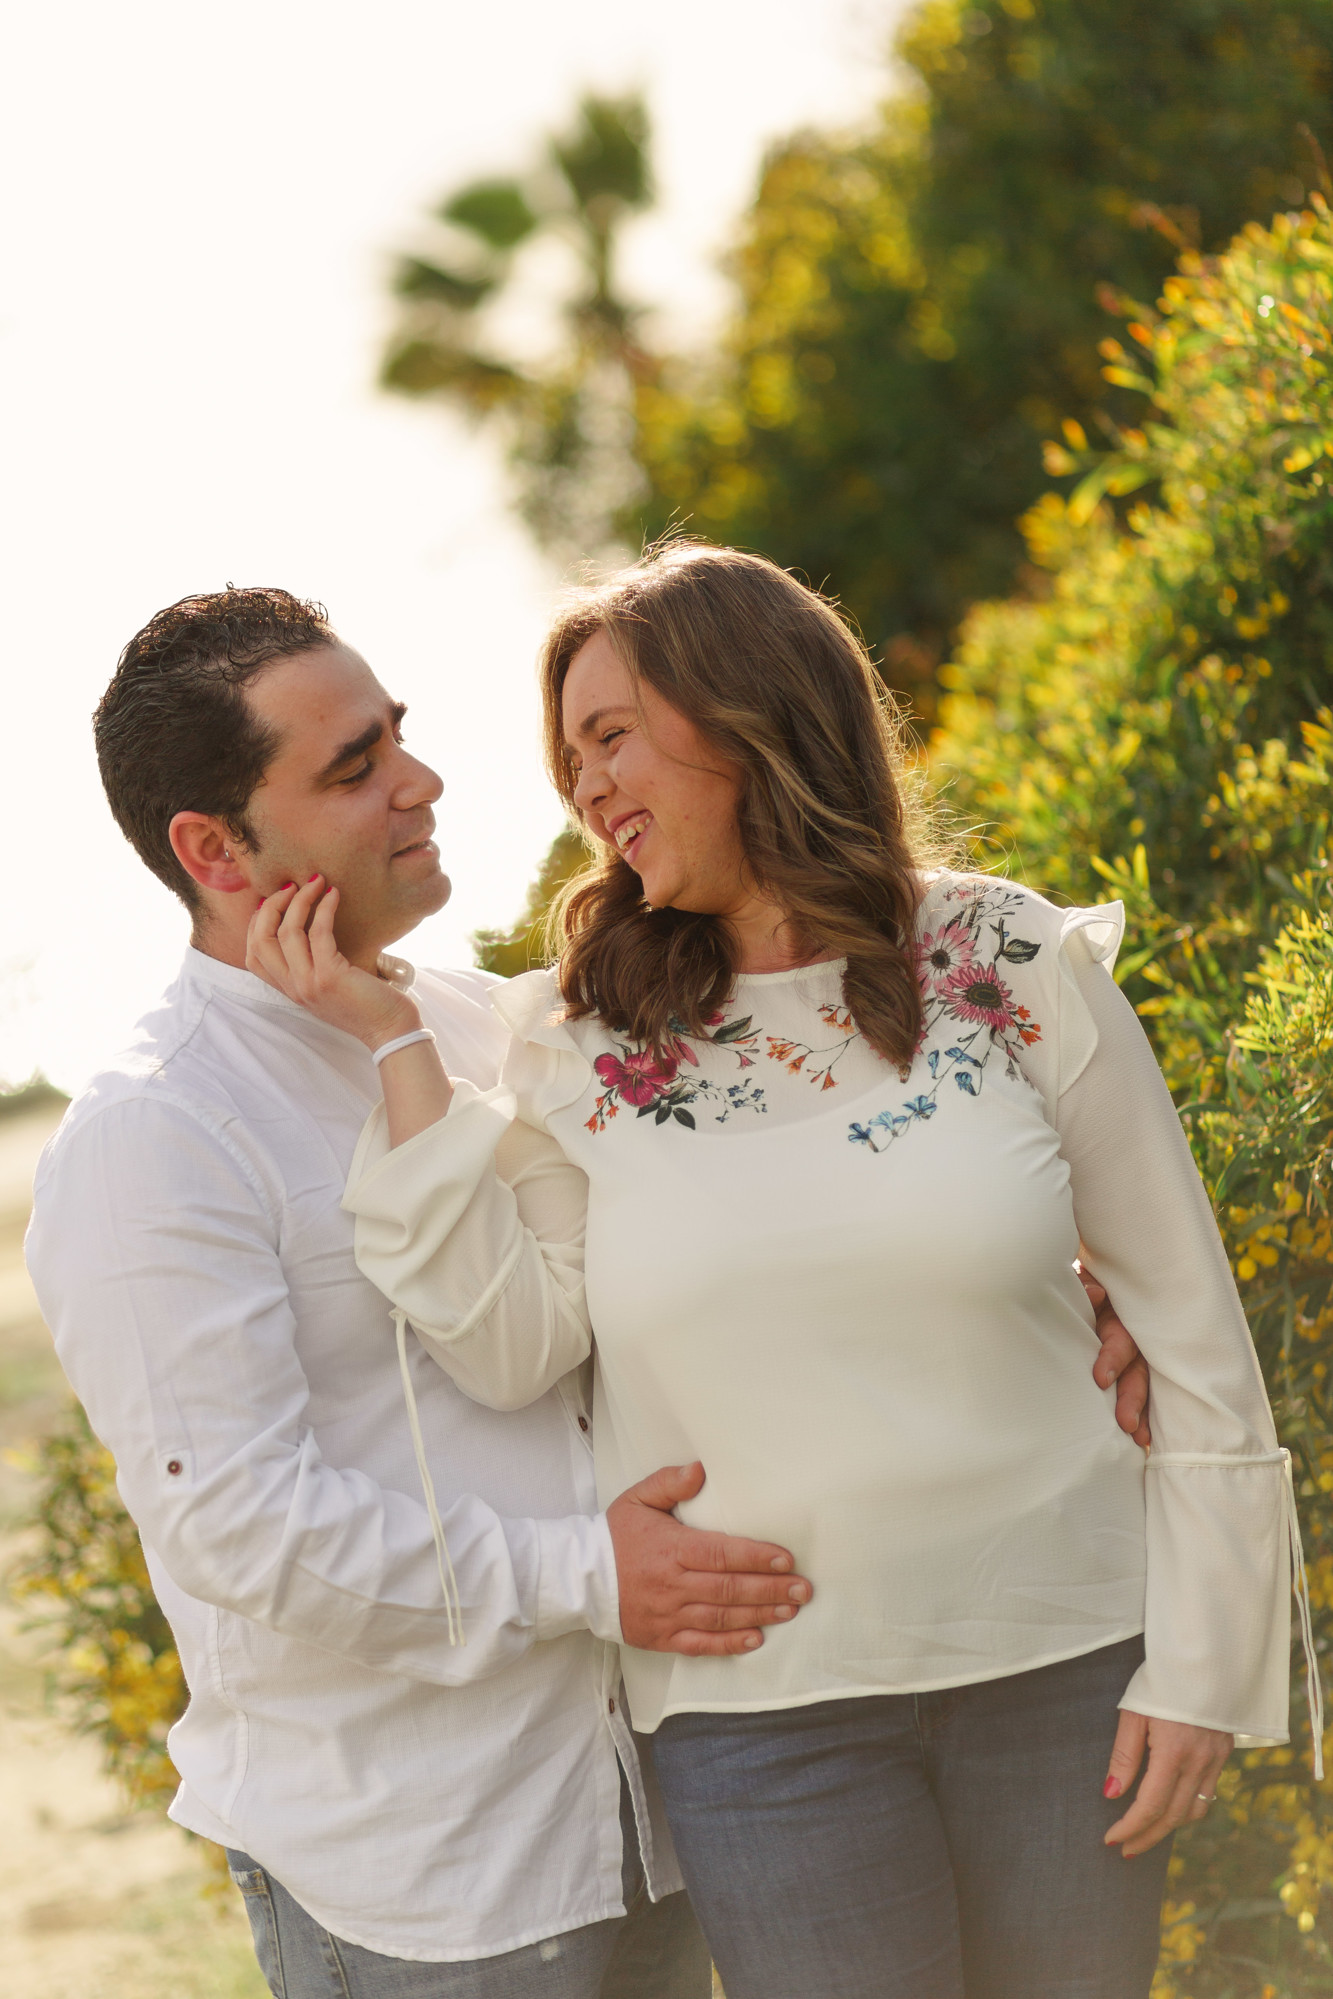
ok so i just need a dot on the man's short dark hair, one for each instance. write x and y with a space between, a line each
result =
174 730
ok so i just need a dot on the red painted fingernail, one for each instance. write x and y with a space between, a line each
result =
313 878
1112 1788
285 887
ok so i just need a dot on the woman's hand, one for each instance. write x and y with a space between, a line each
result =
1184 1763
291 945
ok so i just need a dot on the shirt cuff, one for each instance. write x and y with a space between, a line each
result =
577 1588
1218 1613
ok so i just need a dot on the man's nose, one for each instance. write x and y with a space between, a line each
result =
417 784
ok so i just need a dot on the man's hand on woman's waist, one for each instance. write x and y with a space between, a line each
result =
684 1590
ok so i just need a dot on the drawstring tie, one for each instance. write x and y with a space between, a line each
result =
1314 1692
452 1604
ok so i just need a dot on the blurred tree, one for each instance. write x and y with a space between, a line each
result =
918 309
1144 722
569 418
518 949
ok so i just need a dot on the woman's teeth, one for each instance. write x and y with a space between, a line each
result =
631 830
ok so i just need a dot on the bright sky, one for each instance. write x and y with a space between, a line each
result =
204 204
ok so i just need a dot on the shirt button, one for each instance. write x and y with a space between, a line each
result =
174 1467
583 1422
610 1707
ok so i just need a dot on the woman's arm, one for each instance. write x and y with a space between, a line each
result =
1218 1588
467 1219
475 1229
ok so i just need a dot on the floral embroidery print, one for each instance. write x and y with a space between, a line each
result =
653 1086
959 968
971 1017
951 950
795 1054
658 1086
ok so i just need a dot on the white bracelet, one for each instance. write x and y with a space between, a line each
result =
377 1055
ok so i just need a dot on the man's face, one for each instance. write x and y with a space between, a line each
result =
343 798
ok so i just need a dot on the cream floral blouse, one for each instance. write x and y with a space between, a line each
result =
853 1297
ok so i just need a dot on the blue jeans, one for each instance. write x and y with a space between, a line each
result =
655 1951
917 1846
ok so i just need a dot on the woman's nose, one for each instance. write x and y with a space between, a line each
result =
591 789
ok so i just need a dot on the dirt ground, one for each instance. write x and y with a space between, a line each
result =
95 1902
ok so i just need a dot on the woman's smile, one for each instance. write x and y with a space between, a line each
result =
628 745
628 830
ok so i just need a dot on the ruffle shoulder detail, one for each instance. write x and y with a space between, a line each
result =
543 1064
1091 935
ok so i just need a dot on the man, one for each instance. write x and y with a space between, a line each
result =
406 1815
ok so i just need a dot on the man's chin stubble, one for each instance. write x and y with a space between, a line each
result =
427 900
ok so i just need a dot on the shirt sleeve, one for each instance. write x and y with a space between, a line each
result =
173 1321
1218 1610
475 1229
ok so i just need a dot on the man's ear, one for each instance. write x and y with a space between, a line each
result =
208 853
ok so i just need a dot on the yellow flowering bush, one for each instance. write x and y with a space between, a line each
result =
86 1582
1153 723
1258 1872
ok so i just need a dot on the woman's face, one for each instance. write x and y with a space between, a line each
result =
652 787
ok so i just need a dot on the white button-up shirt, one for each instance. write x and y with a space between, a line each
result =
195 1266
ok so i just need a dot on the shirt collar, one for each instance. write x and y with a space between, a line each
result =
238 984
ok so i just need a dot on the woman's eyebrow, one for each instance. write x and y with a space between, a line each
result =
589 723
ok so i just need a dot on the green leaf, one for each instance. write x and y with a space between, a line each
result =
435 367
496 210
417 279
606 155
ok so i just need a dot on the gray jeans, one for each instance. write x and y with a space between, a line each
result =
655 1951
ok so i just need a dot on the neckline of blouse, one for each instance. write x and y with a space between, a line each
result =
838 965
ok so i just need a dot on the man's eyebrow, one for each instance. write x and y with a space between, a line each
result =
357 747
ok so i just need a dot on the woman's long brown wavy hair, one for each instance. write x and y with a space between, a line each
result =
832 828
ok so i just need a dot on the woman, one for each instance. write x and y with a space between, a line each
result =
844 1118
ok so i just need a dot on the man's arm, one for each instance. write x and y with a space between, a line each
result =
155 1255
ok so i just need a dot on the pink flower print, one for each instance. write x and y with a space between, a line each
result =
640 1079
942 956
977 992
